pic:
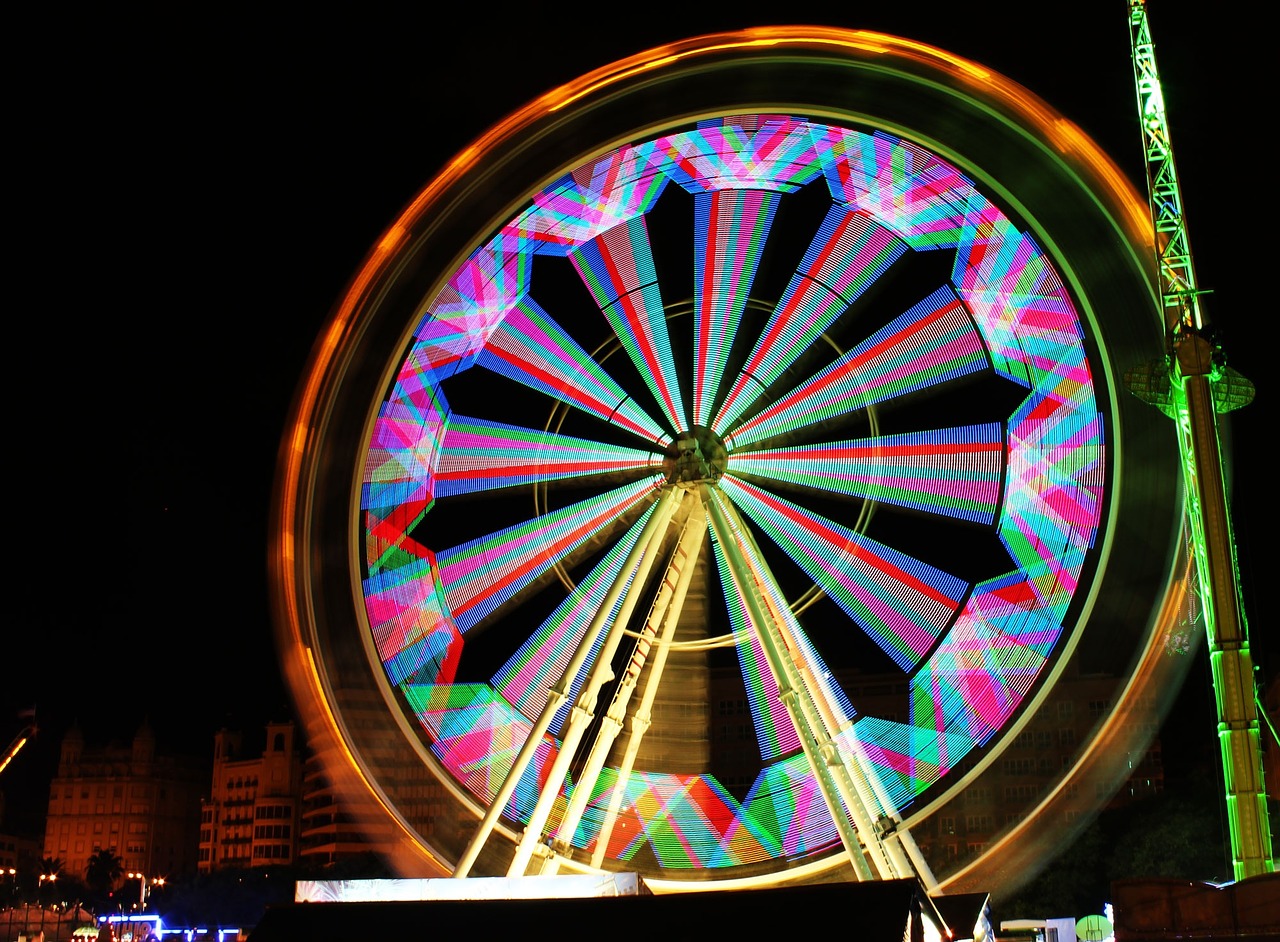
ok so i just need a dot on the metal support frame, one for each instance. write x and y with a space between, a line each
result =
1194 365
557 695
660 627
869 826
875 850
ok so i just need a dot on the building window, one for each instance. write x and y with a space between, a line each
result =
1021 792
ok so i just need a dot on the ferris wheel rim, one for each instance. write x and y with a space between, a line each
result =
445 187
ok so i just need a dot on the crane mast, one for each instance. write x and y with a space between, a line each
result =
1194 387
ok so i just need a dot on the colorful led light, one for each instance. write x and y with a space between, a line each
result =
969 651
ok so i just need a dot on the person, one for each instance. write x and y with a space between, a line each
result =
37 936
106 933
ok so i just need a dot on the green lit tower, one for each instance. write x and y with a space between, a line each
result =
1193 386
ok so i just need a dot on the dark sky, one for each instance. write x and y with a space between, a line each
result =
193 193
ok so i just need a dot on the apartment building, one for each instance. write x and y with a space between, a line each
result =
252 814
126 799
989 804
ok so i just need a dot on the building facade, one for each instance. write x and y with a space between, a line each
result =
128 800
279 808
337 826
18 854
252 815
989 805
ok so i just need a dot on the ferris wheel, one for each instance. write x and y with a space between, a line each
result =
717 465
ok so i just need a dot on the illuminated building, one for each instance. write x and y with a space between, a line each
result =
251 816
1022 780
16 852
279 808
129 800
1010 787
334 828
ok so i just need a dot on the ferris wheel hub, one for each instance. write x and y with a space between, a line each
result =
696 457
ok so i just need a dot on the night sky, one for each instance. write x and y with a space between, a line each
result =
193 194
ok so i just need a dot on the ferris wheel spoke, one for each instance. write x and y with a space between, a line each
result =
617 268
902 604
954 472
776 736
527 677
479 455
531 348
480 575
847 255
731 229
934 342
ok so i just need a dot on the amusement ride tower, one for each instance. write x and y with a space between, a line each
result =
1193 384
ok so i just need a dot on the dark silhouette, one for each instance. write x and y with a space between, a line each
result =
102 872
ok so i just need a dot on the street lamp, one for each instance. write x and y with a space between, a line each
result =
142 887
143 882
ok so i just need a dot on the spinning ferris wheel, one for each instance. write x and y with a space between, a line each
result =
702 397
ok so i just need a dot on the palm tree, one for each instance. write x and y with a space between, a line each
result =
102 872
49 868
